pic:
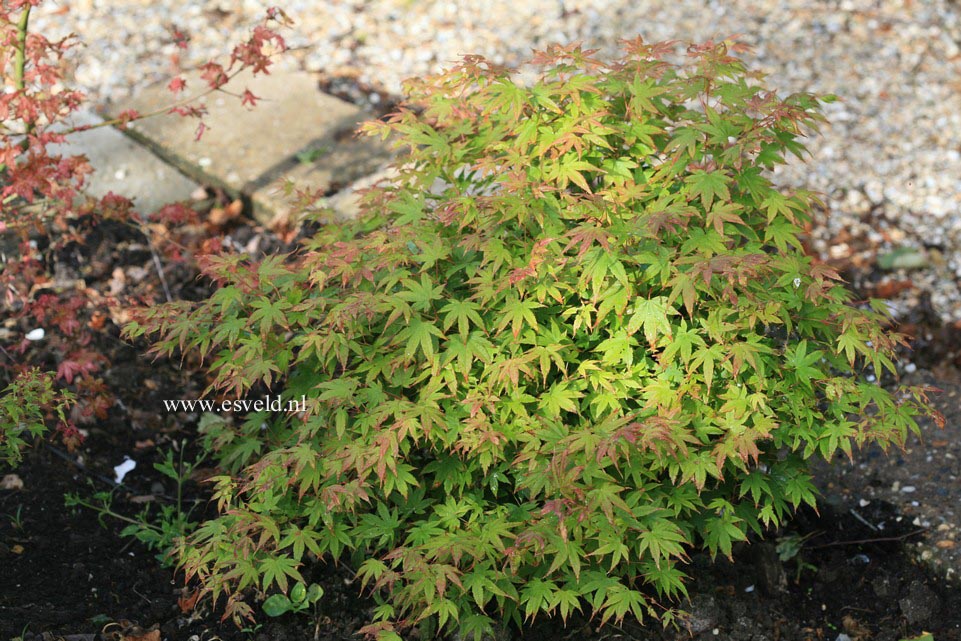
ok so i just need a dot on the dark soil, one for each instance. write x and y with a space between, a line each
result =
64 573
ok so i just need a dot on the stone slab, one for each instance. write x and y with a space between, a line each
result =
336 169
346 202
248 151
123 167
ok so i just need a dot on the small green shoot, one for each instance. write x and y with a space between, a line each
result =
301 598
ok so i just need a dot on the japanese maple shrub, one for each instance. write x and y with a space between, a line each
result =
574 341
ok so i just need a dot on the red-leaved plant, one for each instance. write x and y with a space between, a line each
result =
43 212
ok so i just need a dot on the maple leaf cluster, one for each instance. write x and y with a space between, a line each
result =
575 340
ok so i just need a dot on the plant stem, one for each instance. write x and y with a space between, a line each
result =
105 510
180 480
20 65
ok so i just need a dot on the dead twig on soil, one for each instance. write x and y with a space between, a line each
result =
882 539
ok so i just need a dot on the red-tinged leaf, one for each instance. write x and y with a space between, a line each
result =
177 85
179 37
70 369
585 236
724 213
214 75
126 116
249 99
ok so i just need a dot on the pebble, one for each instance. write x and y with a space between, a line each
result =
11 482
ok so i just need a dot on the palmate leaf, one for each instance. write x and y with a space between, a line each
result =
802 362
661 540
268 314
537 596
622 601
652 314
721 531
560 398
464 313
641 91
686 139
421 293
519 313
708 185
277 570
569 171
618 349
420 336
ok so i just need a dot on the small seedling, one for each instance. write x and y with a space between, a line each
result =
16 519
157 530
310 156
301 598
789 549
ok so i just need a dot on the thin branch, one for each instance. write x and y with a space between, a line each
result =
882 539
156 260
20 65
167 108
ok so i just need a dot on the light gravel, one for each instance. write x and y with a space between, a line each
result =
889 163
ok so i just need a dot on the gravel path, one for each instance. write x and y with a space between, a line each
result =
889 162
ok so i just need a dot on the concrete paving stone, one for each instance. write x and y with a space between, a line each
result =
346 202
248 151
124 167
336 169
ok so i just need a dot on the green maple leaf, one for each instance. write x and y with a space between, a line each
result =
707 185
420 336
802 362
462 312
277 570
652 314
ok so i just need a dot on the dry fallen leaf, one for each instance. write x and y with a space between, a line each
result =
119 315
891 288
17 549
97 320
220 216
855 629
201 474
946 544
